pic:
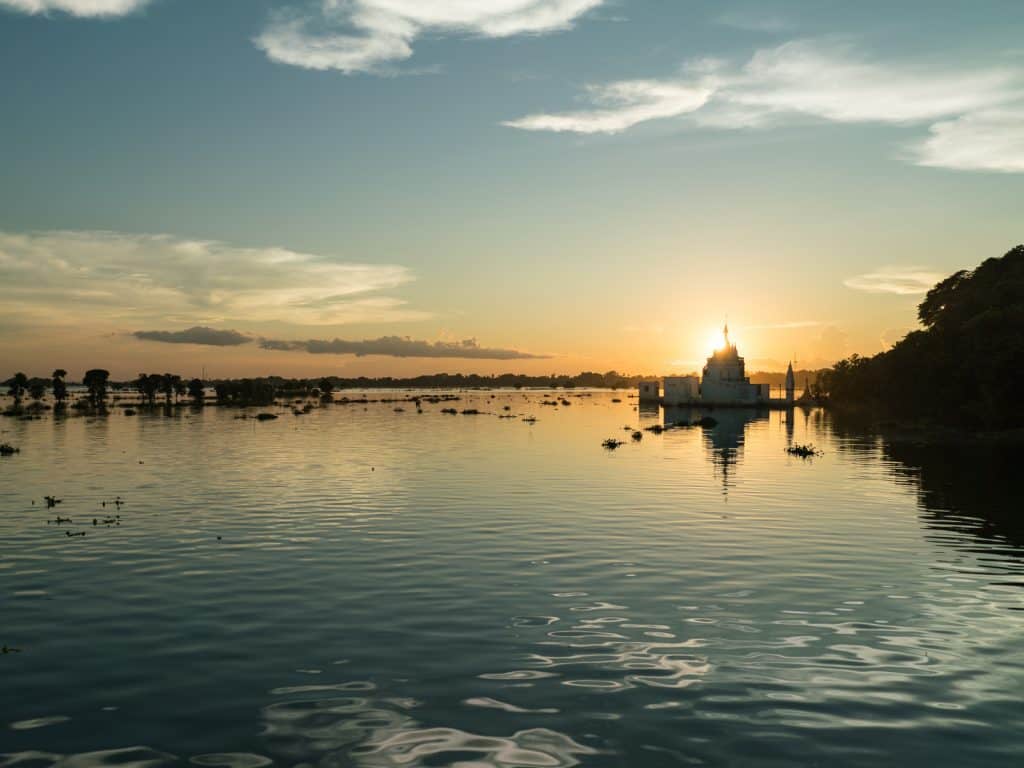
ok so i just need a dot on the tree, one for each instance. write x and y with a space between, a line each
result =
197 391
148 384
60 389
963 368
326 389
180 388
16 386
168 385
37 389
95 382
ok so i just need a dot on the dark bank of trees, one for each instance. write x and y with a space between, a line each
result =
168 390
963 369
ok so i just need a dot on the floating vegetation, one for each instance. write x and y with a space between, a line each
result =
450 411
51 501
803 451
6 449
266 416
656 429
616 400
471 412
611 443
637 437
530 419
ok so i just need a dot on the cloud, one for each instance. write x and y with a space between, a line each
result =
975 113
364 35
904 281
114 278
623 105
197 334
81 8
986 141
828 80
400 346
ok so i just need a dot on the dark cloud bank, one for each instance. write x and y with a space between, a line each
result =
390 346
198 334
401 346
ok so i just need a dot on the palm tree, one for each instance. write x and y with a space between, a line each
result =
96 382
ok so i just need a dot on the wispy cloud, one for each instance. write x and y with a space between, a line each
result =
83 8
905 281
979 109
400 346
197 334
991 140
366 35
622 105
115 278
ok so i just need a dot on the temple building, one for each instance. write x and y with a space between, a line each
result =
724 382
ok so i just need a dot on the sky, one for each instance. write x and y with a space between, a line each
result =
395 187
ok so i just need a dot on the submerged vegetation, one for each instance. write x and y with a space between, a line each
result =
963 369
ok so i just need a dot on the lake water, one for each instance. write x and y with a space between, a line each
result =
365 587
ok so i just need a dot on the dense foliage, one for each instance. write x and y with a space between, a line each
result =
963 368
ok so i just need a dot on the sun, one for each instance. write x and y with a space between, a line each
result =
715 340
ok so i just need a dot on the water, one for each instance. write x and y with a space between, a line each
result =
363 587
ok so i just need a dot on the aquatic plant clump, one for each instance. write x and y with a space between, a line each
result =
803 451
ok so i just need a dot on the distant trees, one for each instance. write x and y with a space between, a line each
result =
96 381
37 389
60 389
169 386
326 390
197 391
147 385
16 386
245 392
964 368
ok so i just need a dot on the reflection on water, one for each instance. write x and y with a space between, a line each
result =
360 587
724 434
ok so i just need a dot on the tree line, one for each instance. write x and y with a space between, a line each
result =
963 368
173 389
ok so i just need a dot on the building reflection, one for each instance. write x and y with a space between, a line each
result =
724 439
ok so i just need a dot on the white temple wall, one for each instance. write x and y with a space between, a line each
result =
680 390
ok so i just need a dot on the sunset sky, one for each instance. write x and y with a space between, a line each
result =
393 187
